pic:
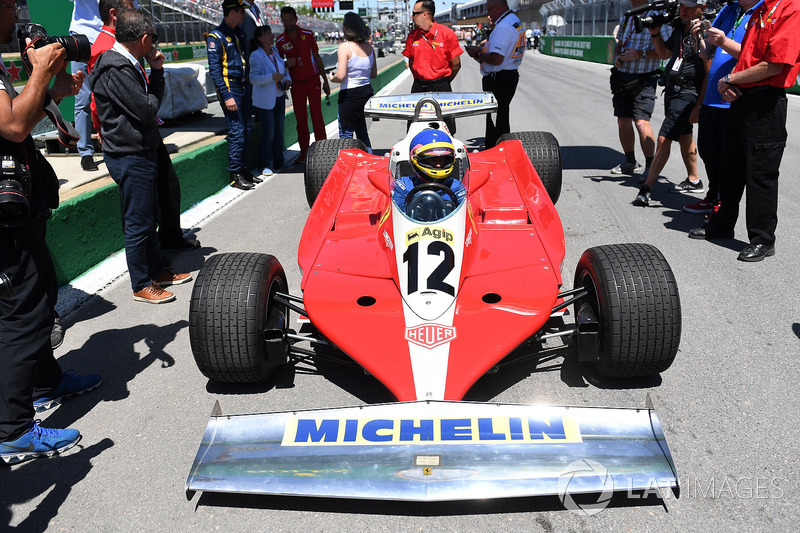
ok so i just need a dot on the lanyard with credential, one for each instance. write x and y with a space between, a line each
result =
434 38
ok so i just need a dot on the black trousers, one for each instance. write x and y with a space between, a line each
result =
710 141
169 200
755 138
503 85
27 366
441 85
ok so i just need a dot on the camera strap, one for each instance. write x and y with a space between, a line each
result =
67 134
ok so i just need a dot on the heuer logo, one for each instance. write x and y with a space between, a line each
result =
430 335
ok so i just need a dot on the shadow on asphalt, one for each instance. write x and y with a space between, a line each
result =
117 355
55 478
589 157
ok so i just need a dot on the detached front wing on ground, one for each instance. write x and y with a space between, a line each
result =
433 451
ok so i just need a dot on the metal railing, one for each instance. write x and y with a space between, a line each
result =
582 17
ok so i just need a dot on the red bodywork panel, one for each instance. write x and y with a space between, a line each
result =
515 252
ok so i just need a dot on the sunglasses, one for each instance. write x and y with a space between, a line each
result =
415 13
154 37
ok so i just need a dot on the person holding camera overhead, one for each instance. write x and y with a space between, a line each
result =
685 74
30 377
270 82
633 85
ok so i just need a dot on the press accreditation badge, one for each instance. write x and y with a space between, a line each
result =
676 67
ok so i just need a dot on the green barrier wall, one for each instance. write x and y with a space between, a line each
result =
594 49
87 229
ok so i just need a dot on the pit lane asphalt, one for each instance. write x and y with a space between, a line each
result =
728 405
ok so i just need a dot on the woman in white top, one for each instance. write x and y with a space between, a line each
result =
270 81
356 66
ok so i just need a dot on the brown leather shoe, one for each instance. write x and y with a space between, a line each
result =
153 294
168 277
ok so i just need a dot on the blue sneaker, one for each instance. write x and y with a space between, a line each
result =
71 384
38 442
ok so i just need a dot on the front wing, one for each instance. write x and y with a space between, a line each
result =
434 451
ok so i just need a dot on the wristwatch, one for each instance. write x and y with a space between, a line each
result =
726 79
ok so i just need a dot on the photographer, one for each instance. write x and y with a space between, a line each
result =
30 377
685 73
633 85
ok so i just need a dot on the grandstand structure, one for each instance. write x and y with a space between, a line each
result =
188 21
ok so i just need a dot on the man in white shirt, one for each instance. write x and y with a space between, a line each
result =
500 59
85 21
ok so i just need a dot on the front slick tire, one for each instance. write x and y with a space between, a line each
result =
233 300
634 296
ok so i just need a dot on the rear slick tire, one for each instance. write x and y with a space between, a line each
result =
321 157
545 155
634 296
232 302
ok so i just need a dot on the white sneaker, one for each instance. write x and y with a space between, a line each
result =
266 172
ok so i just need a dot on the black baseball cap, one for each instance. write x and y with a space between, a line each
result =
235 3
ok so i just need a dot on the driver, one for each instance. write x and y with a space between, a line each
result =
433 157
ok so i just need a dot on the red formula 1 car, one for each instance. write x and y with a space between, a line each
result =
428 297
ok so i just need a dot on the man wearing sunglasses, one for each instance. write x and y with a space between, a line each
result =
433 54
127 102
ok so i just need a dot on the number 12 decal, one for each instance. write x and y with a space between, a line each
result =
435 280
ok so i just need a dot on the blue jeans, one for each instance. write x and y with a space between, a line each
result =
358 131
83 113
238 128
271 149
136 175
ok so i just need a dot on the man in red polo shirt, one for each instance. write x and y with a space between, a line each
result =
433 53
300 49
755 136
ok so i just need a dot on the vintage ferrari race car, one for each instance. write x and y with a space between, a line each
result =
427 297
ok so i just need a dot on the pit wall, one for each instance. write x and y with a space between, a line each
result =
87 229
594 49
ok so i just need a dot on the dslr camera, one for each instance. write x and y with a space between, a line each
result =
78 47
15 191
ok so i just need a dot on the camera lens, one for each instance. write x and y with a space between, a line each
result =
14 205
78 47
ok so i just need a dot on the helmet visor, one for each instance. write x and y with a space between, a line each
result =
436 161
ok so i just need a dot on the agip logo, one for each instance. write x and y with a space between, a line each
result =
430 335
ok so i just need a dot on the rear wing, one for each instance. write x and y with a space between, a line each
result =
430 106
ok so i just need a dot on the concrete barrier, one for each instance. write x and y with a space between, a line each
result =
87 229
